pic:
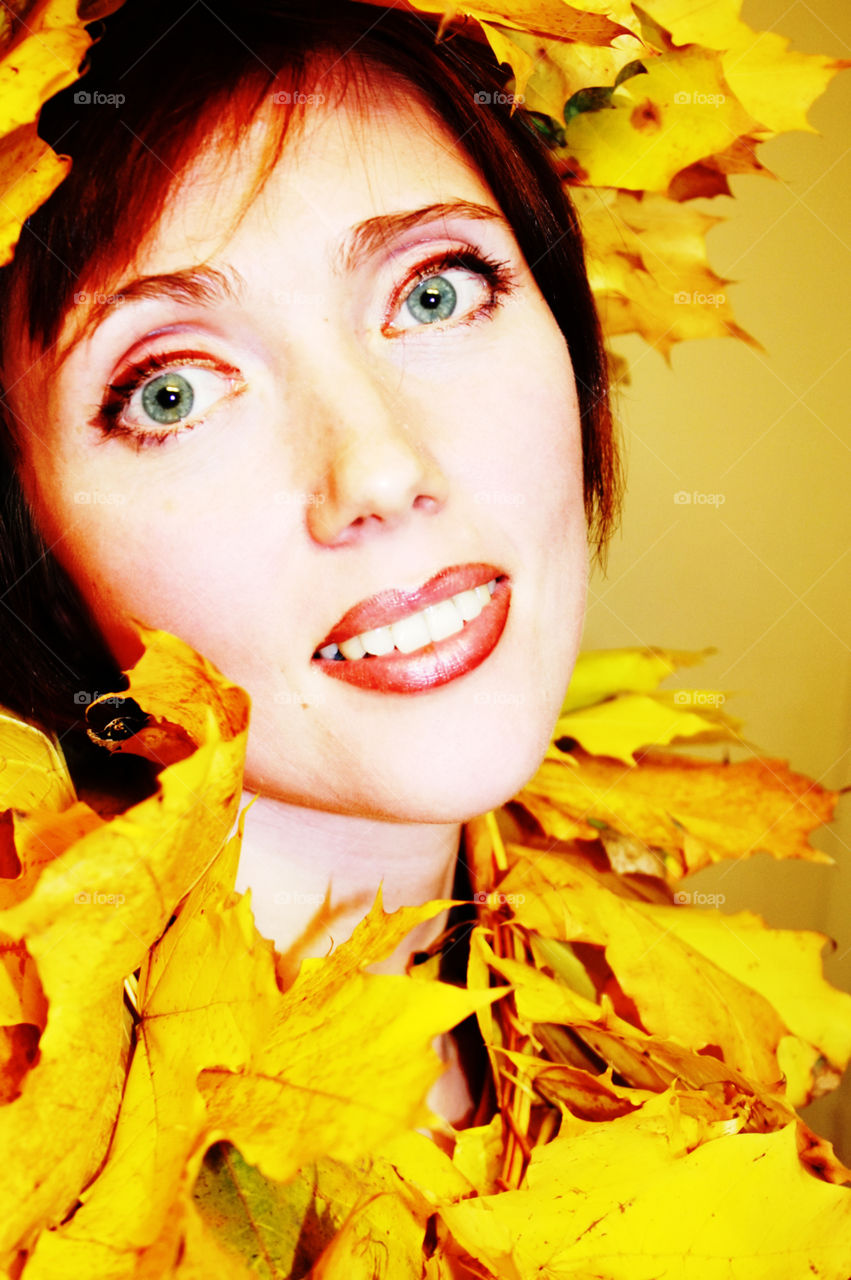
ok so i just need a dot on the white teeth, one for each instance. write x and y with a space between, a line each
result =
352 648
468 605
411 633
378 641
443 619
435 622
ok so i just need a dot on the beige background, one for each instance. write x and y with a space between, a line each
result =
766 577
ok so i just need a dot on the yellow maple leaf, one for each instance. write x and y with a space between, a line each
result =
298 1224
655 124
599 1203
784 965
381 1237
102 898
693 812
41 54
623 725
316 1065
478 1154
600 673
775 84
645 1061
716 25
677 995
33 772
592 21
648 267
548 72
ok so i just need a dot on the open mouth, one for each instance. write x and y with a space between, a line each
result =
423 639
416 630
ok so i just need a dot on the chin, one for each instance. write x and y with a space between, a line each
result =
467 785
446 773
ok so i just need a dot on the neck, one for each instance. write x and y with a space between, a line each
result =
314 875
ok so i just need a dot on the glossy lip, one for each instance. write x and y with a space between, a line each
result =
435 664
389 606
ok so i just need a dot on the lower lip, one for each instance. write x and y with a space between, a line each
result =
436 663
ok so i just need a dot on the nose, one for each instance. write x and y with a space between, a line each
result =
374 466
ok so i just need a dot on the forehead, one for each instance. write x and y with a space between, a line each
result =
346 156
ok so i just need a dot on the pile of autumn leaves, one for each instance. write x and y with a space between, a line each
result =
649 106
646 106
174 1104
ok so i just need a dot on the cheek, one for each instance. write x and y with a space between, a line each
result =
157 560
528 464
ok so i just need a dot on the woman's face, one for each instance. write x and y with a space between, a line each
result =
368 391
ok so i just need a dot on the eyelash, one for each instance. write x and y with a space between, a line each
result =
496 274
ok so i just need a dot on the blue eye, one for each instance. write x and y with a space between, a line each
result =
168 398
461 286
163 395
431 300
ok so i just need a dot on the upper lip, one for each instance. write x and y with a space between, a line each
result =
386 607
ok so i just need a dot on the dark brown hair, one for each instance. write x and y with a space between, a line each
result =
176 76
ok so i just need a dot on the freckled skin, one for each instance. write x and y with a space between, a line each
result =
350 462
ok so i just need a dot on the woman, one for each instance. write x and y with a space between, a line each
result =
325 398
363 459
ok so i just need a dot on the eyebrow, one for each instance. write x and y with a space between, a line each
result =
207 286
210 286
372 235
